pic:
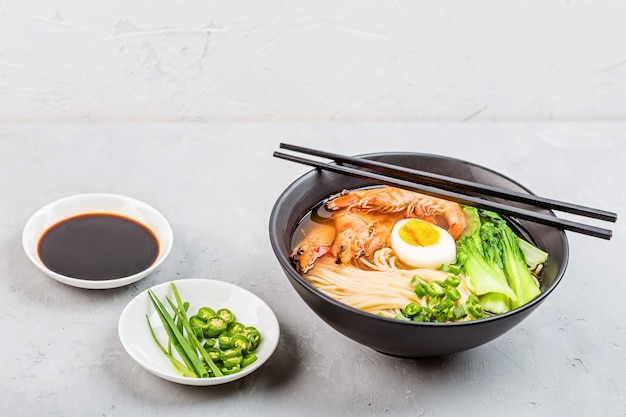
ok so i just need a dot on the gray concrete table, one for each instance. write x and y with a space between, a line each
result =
60 354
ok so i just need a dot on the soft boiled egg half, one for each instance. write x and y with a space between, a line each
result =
421 244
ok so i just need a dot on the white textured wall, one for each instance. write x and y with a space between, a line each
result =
349 60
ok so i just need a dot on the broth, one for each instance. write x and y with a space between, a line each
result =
356 246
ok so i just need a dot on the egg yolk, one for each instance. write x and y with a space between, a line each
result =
419 233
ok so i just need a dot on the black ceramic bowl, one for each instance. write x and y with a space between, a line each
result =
391 336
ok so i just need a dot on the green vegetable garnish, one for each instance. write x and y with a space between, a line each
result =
479 257
231 370
533 255
516 269
215 326
204 343
225 340
181 368
193 338
235 327
248 359
240 341
226 315
496 264
180 342
205 313
411 309
255 339
490 255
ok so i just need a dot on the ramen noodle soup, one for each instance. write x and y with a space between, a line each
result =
395 253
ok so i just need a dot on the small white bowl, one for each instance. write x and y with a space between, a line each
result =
68 207
249 310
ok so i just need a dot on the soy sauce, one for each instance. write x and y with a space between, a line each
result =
98 246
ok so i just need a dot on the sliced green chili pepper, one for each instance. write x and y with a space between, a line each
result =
231 370
472 299
216 326
247 330
412 309
416 280
210 342
434 301
419 318
214 353
229 353
446 304
435 288
255 339
453 294
225 340
440 311
235 327
232 361
196 321
198 326
248 359
420 290
441 299
241 342
196 339
475 310
427 313
420 286
226 315
452 281
205 313
452 268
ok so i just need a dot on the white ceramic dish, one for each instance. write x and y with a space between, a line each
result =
59 210
249 309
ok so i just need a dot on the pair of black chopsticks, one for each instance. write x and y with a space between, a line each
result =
453 189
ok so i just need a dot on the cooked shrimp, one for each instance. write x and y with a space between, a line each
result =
364 220
316 243
360 233
396 200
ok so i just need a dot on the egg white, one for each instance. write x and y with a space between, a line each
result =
433 256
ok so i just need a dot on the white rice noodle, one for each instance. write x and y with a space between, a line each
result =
381 286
